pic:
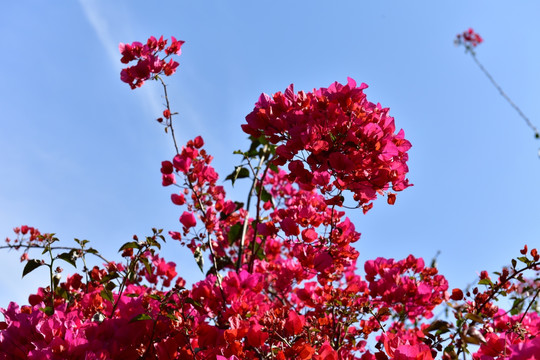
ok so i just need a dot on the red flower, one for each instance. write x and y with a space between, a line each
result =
469 39
294 323
178 199
457 294
188 219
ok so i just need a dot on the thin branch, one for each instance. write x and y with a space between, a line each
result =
503 94
248 204
529 307
35 246
169 120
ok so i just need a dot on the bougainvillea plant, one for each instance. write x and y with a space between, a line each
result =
282 280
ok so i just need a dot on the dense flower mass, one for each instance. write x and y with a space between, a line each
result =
346 142
469 39
282 280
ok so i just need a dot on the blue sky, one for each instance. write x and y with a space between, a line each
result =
81 152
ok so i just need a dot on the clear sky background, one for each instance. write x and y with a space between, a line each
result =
80 152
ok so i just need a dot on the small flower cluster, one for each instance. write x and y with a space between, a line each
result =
85 323
407 286
347 142
469 39
510 337
149 63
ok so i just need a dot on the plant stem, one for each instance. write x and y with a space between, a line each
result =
503 94
169 123
248 205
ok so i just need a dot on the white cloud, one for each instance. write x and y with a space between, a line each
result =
105 34
101 27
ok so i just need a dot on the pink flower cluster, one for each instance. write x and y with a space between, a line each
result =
469 39
507 337
414 289
85 325
149 63
347 142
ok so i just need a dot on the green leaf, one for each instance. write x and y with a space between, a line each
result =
265 195
199 258
223 261
81 242
107 295
110 286
152 242
255 143
30 266
238 173
260 253
48 310
193 302
332 136
524 260
62 292
514 263
475 317
517 306
109 277
130 245
68 257
212 270
239 205
485 281
436 325
147 265
140 317
234 233
273 167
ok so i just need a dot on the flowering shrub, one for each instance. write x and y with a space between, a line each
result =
282 282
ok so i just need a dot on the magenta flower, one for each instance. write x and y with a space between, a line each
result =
188 219
149 63
469 39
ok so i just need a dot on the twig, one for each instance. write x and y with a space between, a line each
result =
503 94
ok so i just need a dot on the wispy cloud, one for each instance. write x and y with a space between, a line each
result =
105 24
105 34
101 27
